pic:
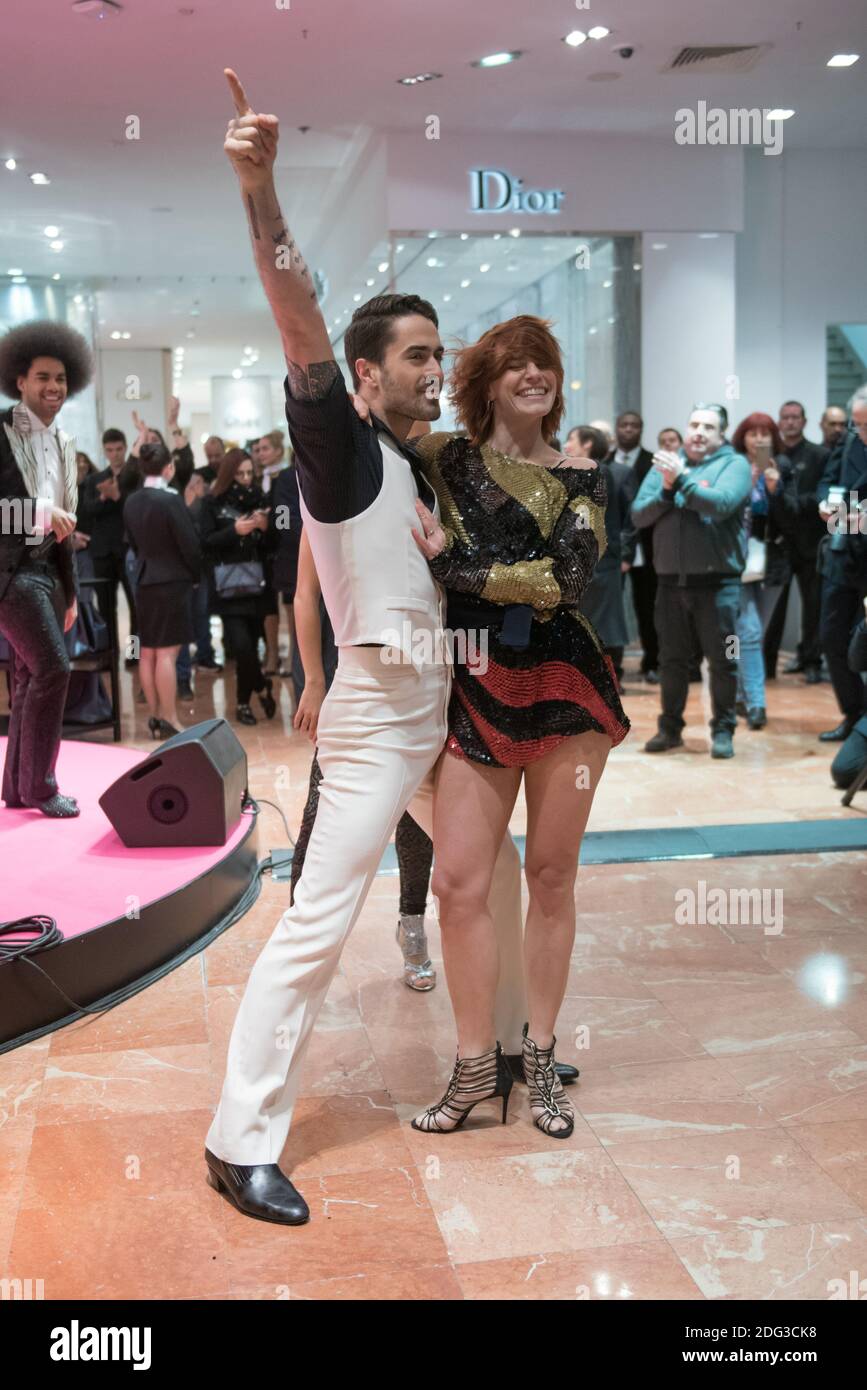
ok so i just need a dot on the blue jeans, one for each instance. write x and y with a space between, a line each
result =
758 601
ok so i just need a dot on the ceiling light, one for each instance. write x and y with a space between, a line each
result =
124 335
707 236
419 77
56 245
356 298
39 178
446 298
51 231
498 236
591 330
612 320
660 245
515 231
56 275
839 60
115 334
399 246
465 284
574 385
496 60
78 299
431 235
576 37
598 32
433 263
484 267
11 164
15 271
637 265
19 279
780 113
237 374
606 284
464 236
382 267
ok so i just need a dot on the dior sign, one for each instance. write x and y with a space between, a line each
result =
493 190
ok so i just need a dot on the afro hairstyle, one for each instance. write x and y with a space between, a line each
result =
44 338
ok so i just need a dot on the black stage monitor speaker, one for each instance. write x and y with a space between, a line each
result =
190 791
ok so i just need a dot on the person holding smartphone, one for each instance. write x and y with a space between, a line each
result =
767 568
236 540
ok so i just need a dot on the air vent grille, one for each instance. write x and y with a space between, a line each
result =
717 58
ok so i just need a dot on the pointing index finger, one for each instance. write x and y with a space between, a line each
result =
239 96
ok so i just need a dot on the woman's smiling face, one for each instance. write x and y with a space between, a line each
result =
524 391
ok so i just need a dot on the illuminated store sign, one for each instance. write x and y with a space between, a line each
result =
492 190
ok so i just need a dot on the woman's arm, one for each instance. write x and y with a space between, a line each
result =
559 576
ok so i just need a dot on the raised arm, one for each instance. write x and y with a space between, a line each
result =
251 145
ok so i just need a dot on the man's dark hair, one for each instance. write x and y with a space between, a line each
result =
113 436
623 414
152 459
371 328
798 404
595 438
44 338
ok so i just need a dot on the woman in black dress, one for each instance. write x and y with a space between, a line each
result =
163 540
522 528
235 538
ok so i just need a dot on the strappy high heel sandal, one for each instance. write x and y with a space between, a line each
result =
548 1103
473 1080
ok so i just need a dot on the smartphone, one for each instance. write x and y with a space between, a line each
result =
762 453
836 495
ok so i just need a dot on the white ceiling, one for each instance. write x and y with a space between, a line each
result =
70 82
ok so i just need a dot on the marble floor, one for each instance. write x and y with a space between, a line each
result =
720 1143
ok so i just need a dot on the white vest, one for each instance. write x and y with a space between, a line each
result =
375 581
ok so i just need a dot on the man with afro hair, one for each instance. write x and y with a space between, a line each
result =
41 363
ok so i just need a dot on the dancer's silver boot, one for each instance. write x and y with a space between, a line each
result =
418 972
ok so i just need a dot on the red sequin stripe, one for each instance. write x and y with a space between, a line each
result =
509 752
551 680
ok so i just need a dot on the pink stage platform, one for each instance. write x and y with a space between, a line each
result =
124 913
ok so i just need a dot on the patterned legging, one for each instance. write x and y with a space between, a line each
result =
414 851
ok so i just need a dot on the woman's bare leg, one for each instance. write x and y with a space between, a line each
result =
166 683
559 789
146 674
472 807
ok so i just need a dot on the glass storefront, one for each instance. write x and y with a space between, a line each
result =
589 287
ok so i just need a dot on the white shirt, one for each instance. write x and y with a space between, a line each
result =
46 450
621 457
157 481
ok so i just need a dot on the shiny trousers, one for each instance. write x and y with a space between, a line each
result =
32 613
381 730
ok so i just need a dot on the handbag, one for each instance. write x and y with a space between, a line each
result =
757 559
239 579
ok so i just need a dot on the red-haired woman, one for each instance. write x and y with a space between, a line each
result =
522 528
768 567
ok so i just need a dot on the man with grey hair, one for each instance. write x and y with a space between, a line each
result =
843 508
694 500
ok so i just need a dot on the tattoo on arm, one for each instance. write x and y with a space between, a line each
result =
312 382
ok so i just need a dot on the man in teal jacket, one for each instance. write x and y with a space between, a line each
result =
694 500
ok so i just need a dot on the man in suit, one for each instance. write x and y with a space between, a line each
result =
41 364
637 556
100 520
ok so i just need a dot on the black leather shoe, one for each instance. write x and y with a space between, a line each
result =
661 742
813 675
651 677
566 1073
267 701
792 668
260 1190
840 734
58 807
722 744
245 715
757 717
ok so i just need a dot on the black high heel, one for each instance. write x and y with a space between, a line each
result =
546 1094
154 726
473 1080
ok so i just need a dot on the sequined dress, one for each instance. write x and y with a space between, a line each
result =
521 544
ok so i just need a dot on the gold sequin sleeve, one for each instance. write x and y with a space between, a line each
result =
558 576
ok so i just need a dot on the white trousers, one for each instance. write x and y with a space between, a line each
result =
381 730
